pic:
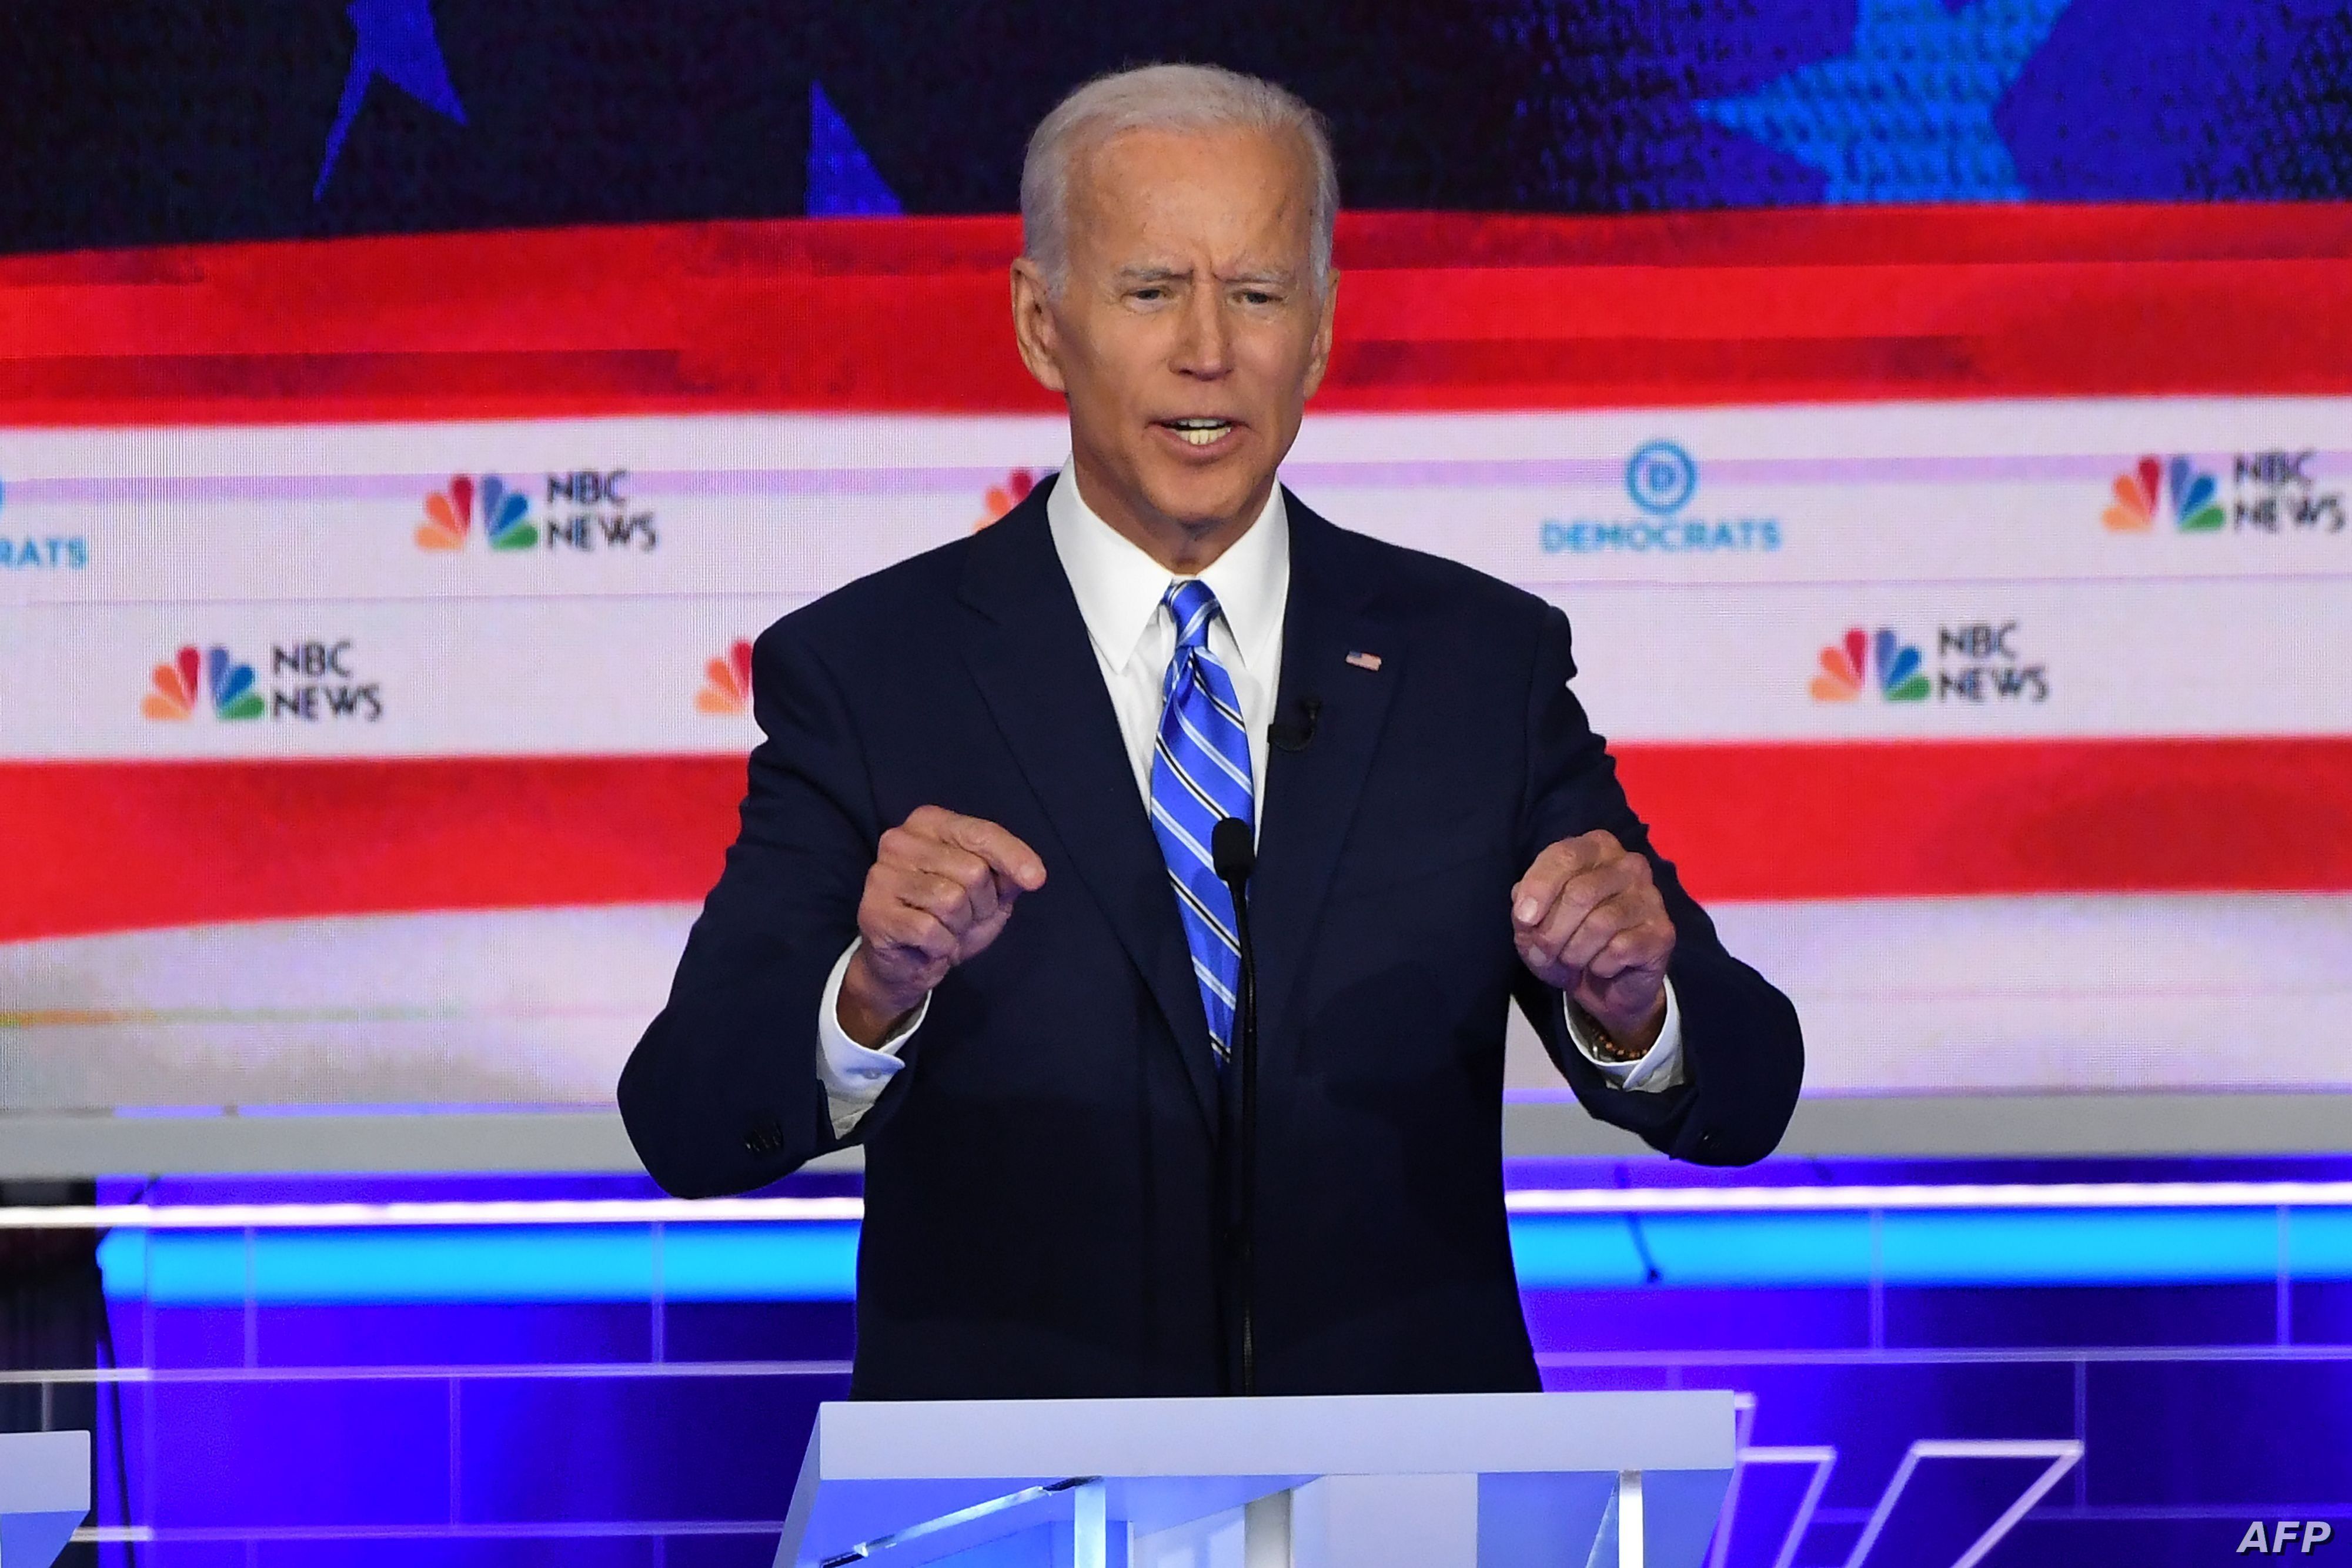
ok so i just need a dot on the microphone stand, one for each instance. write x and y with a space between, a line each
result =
1234 851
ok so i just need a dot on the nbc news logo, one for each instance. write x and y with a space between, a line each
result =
584 510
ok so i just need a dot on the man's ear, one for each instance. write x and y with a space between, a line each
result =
1321 357
1033 324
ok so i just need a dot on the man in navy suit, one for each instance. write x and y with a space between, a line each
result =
969 921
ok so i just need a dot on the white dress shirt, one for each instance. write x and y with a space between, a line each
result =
1121 589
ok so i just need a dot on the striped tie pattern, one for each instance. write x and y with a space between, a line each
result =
1200 774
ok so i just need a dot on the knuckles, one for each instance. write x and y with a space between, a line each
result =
1598 847
947 901
924 825
1585 853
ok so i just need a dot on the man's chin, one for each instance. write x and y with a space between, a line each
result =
1202 507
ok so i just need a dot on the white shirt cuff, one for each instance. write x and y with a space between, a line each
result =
853 1076
1659 1070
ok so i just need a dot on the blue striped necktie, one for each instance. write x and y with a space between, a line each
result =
1200 774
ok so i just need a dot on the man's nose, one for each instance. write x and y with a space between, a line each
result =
1205 349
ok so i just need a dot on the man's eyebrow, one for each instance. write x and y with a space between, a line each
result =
1165 273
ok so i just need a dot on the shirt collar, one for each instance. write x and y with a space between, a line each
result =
1118 587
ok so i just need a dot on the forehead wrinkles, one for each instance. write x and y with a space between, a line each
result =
1279 241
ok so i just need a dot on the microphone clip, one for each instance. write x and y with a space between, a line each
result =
1295 734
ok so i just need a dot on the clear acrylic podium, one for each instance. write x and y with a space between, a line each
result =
44 1494
1436 1480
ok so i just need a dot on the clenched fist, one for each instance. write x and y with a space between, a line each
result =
940 890
1587 919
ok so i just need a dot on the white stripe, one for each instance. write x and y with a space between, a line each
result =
1217 811
2095 1196
1232 715
1203 910
2090 603
1160 813
1186 780
1239 776
1208 916
1212 982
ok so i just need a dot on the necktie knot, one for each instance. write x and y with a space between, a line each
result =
1193 604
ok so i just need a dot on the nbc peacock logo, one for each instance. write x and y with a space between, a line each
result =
174 688
727 681
2156 485
1003 498
1860 659
449 516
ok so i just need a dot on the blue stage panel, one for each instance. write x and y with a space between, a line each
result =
806 1262
330 1452
816 1261
758 1331
2320 1313
1647 1318
562 1552
1579 1251
428 1333
149 1333
717 1552
711 1448
2057 1247
1760 1250
2272 1434
2041 1316
1873 1411
2319 1243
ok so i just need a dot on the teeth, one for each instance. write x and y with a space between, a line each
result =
1200 432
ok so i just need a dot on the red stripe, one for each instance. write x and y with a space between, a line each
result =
112 846
107 846
1922 820
1438 310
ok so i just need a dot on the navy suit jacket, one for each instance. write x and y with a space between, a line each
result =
1041 1176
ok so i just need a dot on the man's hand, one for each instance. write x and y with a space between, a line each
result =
940 890
1587 919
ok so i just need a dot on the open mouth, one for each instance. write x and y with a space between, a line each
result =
1200 431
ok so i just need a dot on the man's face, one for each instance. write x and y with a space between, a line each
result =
1188 332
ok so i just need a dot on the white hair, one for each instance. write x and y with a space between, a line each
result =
1164 98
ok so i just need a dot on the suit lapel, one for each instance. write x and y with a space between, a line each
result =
1027 649
1310 794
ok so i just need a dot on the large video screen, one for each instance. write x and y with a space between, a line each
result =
371 747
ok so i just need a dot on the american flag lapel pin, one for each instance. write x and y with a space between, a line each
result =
1365 661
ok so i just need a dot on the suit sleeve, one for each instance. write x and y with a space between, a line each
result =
1743 1054
721 1095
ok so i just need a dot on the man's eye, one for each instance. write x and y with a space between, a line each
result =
1256 297
1150 294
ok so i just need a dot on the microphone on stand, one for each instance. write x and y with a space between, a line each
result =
1233 852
